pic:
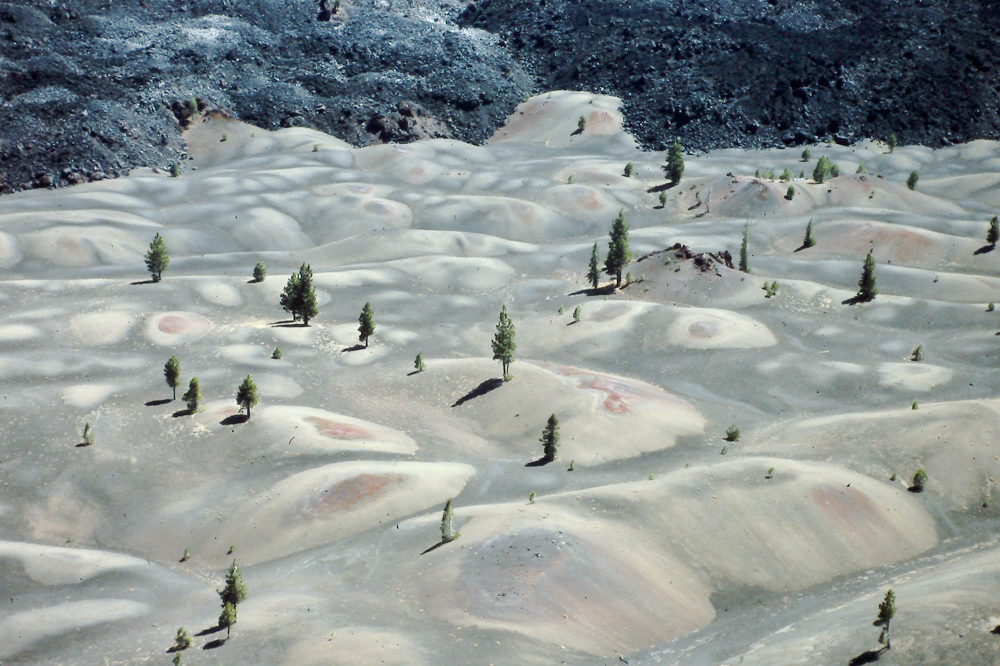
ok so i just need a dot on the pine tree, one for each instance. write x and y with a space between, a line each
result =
88 435
674 168
418 363
183 639
259 271
581 124
806 155
866 285
550 439
227 618
911 182
886 611
246 395
448 531
504 343
745 249
594 273
663 199
366 323
158 257
629 169
619 254
289 299
192 397
809 240
893 142
822 170
172 373
176 661
306 299
790 193
235 591
993 233
175 170
919 479
577 313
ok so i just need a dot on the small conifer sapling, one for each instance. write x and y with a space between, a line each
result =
246 395
745 250
448 531
892 142
911 181
577 313
809 240
418 363
192 397
550 439
277 354
918 353
790 193
581 124
674 168
183 639
806 155
505 343
663 199
175 170
732 433
919 479
993 233
366 324
88 435
158 257
886 611
227 618
628 170
172 373
867 290
259 271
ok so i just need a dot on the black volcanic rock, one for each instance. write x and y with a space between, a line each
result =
94 88
722 73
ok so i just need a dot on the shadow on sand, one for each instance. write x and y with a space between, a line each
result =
234 419
217 643
357 347
482 389
600 291
156 403
984 249
868 657
143 282
541 462
434 547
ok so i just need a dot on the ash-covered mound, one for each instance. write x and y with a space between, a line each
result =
750 73
91 89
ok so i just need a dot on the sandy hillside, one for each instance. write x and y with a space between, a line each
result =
652 537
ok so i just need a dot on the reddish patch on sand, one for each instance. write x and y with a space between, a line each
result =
851 513
609 312
619 392
702 329
174 325
378 208
586 198
338 430
351 492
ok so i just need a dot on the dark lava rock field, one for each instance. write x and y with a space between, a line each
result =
93 88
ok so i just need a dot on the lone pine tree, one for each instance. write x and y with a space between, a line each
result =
809 240
993 233
619 255
823 169
88 435
172 373
886 611
308 307
235 591
418 362
867 290
911 181
289 299
550 439
366 323
594 272
192 397
158 257
448 531
246 395
674 168
504 343
259 271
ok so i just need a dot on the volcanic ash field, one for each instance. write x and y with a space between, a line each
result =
665 542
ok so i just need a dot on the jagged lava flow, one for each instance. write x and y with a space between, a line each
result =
650 537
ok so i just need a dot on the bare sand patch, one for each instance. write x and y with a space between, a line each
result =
318 430
10 250
913 376
83 246
357 646
175 328
332 502
18 332
552 119
219 292
504 217
51 565
453 273
87 396
21 630
705 328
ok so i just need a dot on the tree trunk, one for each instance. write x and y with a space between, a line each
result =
175 391
366 342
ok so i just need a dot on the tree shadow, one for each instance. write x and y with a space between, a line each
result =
234 419
357 347
996 629
150 281
217 643
413 372
82 445
484 388
283 321
181 412
802 247
984 249
211 630
916 489
156 403
434 547
867 657
541 462
578 130
600 291
660 188
854 300
289 324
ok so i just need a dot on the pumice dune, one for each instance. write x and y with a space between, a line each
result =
787 408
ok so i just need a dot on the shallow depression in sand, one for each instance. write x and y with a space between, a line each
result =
173 328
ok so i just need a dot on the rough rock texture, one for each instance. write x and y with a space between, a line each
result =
722 73
94 88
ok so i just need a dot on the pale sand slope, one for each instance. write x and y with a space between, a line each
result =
345 445
689 533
